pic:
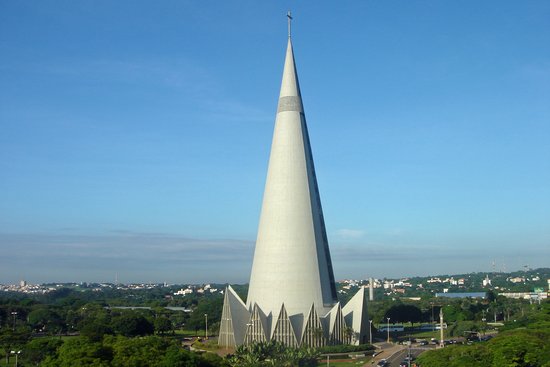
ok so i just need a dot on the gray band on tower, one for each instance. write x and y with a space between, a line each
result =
290 103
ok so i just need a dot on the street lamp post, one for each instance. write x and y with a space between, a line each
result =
432 320
370 331
206 327
16 355
388 328
484 320
409 355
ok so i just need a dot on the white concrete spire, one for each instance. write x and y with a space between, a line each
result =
289 86
292 262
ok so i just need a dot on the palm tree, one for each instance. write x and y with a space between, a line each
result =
349 334
319 337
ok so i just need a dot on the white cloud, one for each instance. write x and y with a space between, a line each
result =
71 257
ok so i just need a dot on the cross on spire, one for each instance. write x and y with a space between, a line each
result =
289 16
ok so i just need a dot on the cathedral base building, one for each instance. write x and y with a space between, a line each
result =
341 325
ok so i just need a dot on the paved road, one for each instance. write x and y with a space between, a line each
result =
398 357
386 350
395 354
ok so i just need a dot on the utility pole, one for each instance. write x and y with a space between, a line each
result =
441 342
206 327
409 346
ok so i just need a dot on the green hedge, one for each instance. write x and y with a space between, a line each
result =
345 348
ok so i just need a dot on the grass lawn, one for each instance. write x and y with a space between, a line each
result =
347 363
403 335
188 333
3 362
427 334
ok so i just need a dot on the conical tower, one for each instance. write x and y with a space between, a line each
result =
292 294
291 261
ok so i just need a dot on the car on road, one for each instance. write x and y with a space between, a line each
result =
406 361
382 363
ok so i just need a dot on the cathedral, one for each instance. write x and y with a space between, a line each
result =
292 294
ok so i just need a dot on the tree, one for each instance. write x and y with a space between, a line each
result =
80 352
404 313
10 339
524 344
210 306
349 334
177 357
520 348
491 296
319 336
131 324
163 325
146 351
38 349
457 356
273 354
95 330
44 319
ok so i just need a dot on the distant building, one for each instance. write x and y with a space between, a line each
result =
462 295
517 280
392 328
433 280
183 292
526 295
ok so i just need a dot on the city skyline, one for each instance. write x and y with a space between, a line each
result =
135 139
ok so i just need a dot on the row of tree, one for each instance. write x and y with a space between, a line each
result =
524 342
24 322
70 314
114 351
492 308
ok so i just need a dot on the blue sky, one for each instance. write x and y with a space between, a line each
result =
135 136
